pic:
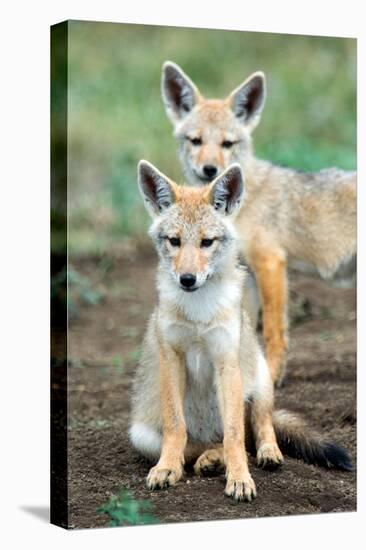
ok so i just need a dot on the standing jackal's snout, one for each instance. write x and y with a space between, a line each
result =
193 239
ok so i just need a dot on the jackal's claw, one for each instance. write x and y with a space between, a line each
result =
161 478
269 456
240 489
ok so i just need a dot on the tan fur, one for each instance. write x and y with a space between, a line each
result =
201 360
270 269
287 214
211 460
172 379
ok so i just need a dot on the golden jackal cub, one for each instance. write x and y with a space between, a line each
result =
201 360
287 214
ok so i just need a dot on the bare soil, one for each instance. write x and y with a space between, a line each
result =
104 343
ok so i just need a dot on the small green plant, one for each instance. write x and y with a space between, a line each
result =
117 363
134 355
122 509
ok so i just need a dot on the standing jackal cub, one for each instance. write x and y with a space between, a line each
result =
287 214
201 361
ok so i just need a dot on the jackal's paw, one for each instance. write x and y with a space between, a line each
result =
241 489
159 477
210 462
269 456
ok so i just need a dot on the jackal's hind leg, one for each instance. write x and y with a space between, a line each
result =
210 462
270 270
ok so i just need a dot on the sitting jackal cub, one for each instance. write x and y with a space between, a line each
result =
201 361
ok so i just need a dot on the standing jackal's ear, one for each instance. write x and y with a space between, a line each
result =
227 190
156 189
247 100
179 93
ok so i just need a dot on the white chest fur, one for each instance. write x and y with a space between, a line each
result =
199 365
201 409
206 303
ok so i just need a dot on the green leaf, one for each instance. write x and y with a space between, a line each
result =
122 509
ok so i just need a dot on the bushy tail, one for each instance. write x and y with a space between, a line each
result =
296 439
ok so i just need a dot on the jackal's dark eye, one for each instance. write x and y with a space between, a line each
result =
174 241
205 243
227 144
195 141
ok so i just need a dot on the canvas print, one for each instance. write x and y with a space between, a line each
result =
203 274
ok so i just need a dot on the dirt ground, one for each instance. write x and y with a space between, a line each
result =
104 343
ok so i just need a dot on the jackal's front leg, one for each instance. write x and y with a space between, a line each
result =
169 469
240 484
271 275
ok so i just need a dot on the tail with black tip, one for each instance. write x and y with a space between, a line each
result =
297 440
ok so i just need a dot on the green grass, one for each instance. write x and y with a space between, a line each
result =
116 116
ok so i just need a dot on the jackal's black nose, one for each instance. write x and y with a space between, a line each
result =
209 170
187 280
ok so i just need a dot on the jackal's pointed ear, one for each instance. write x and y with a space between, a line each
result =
156 189
227 190
247 100
179 93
